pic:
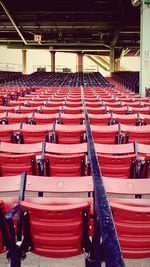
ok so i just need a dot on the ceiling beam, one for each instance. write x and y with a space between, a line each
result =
58 49
12 21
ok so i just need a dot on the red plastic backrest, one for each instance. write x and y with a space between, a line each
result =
104 128
10 183
115 148
127 186
66 149
56 230
70 129
20 148
59 184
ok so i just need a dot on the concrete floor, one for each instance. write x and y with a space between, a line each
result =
35 261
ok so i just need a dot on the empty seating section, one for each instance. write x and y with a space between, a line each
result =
129 79
44 133
56 79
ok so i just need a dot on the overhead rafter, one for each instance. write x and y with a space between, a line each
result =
67 25
12 21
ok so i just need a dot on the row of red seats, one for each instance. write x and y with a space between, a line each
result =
53 211
73 216
123 161
66 115
74 134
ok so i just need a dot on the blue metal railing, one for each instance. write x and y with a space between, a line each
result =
106 231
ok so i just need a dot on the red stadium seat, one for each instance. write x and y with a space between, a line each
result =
129 119
59 226
144 110
8 185
17 118
65 165
69 134
39 118
35 148
54 104
140 134
66 148
24 110
112 104
95 104
36 133
117 160
50 110
65 160
6 132
16 164
5 108
71 119
100 119
93 110
72 110
73 104
36 103
105 134
131 215
120 110
145 118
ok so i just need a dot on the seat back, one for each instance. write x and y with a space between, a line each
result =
44 118
100 119
105 134
140 134
36 133
17 118
65 165
117 166
129 119
69 134
21 148
6 132
16 164
56 230
71 119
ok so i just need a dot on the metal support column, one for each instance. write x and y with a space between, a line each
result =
112 60
79 62
52 61
24 61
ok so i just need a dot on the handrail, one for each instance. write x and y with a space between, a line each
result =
111 247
